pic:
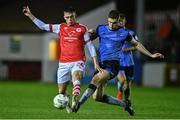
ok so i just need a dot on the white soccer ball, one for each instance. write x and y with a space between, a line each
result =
60 101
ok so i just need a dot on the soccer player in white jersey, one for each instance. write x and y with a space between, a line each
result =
73 37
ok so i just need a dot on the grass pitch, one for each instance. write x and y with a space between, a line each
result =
29 100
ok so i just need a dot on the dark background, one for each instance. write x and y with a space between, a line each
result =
12 19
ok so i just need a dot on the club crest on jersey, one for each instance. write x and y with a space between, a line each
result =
78 29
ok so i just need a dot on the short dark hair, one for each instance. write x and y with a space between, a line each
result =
114 14
69 9
122 16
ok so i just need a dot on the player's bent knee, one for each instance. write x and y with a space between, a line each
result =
95 80
78 75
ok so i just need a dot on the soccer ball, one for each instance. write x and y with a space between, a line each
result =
60 101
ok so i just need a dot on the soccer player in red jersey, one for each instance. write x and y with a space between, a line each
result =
72 39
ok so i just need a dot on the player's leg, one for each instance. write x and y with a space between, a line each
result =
63 90
127 86
101 97
119 94
96 82
98 94
100 78
77 74
112 68
129 71
63 79
62 87
121 80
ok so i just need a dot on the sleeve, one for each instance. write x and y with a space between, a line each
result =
132 33
91 49
89 44
48 27
86 37
131 36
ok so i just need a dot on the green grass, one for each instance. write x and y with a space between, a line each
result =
22 100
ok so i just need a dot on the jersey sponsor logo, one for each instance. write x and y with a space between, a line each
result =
72 33
70 38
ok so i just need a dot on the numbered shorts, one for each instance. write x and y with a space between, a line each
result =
65 70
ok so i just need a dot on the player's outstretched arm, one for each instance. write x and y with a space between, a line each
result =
129 49
40 24
27 12
142 49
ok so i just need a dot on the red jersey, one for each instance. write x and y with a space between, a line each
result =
72 41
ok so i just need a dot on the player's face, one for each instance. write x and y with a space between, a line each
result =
113 23
122 22
70 18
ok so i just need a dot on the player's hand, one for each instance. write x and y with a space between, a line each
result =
91 31
26 11
98 68
157 55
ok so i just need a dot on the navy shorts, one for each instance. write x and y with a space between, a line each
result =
112 66
128 71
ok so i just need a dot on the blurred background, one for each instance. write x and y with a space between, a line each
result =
29 54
